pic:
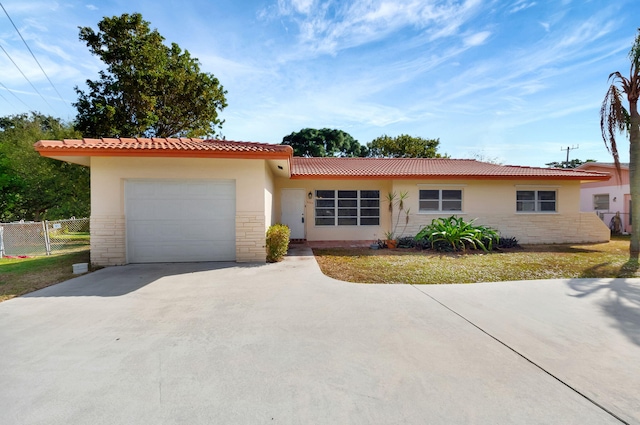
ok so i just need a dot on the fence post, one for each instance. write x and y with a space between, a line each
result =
1 242
47 242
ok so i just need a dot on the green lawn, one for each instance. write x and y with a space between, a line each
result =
22 275
71 236
529 262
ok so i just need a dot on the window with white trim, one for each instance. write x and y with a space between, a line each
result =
347 208
436 200
601 202
536 201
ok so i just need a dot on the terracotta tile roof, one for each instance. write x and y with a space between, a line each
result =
165 146
427 167
325 168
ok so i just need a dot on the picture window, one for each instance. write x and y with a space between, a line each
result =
347 208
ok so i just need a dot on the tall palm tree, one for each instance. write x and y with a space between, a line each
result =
614 119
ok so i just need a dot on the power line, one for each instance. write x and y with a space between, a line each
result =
14 95
26 78
32 55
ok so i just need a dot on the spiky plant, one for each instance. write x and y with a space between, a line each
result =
615 119
456 234
397 201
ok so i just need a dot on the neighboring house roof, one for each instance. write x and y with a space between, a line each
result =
174 147
618 177
592 164
368 168
78 151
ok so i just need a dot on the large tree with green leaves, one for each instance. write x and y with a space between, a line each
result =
311 142
404 146
33 187
148 89
615 119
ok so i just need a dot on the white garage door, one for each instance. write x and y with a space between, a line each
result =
180 220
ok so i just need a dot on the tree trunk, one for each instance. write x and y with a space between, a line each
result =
634 177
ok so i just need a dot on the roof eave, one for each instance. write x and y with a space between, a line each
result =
444 176
155 153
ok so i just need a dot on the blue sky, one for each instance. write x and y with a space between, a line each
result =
514 80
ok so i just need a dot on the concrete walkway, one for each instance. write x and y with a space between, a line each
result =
210 343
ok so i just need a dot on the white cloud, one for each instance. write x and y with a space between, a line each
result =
91 7
33 26
589 31
290 7
477 39
521 5
302 6
228 70
333 26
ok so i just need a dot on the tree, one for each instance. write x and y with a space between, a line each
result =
574 163
148 89
33 187
310 142
614 119
404 146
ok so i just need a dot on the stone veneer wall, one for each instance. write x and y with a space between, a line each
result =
534 228
250 237
108 240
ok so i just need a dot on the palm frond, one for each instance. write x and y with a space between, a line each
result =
614 118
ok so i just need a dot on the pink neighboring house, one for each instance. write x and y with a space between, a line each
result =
607 198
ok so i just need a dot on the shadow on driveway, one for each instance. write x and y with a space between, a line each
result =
620 301
121 280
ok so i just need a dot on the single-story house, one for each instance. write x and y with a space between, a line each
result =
173 200
608 198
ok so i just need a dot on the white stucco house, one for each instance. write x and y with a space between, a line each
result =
608 198
173 200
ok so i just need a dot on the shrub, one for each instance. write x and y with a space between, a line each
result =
508 242
505 242
277 242
454 234
421 243
406 242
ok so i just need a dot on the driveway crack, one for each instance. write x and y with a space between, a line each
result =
530 361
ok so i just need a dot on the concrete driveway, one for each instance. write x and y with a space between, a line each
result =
221 343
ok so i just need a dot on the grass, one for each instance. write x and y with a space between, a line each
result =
410 266
19 276
60 241
72 236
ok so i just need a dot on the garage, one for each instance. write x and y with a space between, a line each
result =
180 220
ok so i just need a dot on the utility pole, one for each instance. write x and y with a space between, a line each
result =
568 149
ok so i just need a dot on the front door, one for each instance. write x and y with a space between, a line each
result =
292 203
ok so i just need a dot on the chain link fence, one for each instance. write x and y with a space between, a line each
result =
619 223
43 238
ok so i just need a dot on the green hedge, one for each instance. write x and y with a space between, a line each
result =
277 242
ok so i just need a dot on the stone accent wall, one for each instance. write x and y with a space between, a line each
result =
108 240
250 237
534 228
